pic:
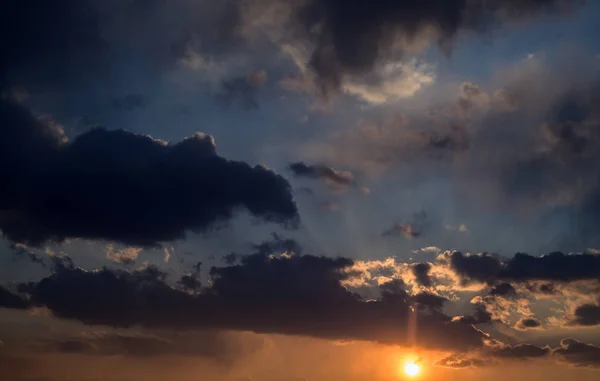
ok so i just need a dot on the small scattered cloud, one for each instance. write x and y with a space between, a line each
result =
412 229
126 256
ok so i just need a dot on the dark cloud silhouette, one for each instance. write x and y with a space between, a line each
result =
556 266
421 273
481 316
412 229
287 294
335 179
503 289
124 187
586 315
214 344
21 252
492 354
8 299
520 351
67 44
528 323
578 354
190 280
353 38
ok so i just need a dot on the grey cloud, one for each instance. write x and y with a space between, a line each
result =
372 30
85 40
521 351
503 289
412 229
214 344
9 299
242 89
335 179
421 273
578 354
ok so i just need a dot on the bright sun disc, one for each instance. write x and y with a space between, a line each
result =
411 369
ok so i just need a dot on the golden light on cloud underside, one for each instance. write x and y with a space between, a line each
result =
411 369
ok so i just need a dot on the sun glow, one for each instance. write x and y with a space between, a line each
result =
411 369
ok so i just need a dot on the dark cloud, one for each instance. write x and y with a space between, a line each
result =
503 289
412 229
215 344
492 354
586 315
8 299
352 38
520 351
21 252
120 186
335 179
287 294
421 273
578 354
528 323
555 266
429 302
190 281
67 44
481 316
45 40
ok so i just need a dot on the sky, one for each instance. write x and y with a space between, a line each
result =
299 190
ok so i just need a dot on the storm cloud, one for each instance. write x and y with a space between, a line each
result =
287 294
119 186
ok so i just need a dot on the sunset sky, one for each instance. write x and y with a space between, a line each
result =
299 190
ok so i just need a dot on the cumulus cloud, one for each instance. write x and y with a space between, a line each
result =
555 266
123 187
578 354
345 42
287 294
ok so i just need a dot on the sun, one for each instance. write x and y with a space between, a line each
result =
411 369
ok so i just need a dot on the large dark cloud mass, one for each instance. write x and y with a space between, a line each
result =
68 44
354 36
120 186
288 294
521 267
